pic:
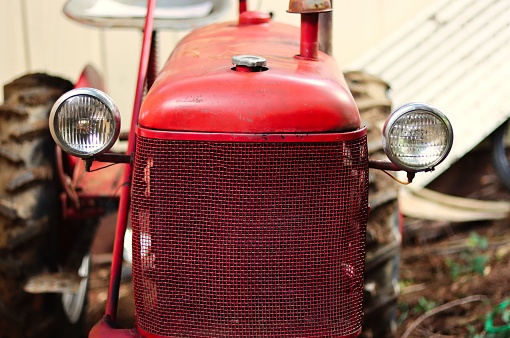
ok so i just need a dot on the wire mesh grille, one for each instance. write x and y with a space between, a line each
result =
249 239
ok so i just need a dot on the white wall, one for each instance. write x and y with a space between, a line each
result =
37 37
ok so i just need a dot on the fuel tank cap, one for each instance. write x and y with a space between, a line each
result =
250 61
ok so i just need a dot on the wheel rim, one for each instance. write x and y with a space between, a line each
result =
74 303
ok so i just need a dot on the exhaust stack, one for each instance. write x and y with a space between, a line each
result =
309 10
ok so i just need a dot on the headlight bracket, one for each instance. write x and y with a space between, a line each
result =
113 158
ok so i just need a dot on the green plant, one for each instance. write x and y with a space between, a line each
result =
472 259
424 305
402 284
476 241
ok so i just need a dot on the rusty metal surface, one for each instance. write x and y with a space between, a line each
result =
309 6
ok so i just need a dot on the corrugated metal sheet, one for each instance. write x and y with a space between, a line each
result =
455 56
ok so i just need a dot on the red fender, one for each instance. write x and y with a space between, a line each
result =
91 78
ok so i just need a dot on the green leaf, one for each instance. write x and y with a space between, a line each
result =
426 304
455 268
476 241
479 263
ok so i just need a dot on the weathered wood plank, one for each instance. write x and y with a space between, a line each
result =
12 52
427 204
56 44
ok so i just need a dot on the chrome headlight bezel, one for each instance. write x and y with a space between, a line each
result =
95 94
406 110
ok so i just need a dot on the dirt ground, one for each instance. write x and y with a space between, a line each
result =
475 278
450 280
457 278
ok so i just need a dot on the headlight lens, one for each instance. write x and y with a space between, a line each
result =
85 122
417 137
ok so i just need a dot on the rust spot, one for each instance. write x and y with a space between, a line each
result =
147 176
193 52
304 6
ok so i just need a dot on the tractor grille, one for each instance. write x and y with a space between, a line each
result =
249 239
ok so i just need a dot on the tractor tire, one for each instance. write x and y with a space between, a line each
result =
29 205
383 235
500 154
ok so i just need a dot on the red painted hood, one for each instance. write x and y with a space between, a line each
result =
198 91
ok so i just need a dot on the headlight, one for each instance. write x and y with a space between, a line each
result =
85 122
417 137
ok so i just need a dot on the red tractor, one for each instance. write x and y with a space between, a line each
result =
245 179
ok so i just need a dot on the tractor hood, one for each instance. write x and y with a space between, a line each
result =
200 90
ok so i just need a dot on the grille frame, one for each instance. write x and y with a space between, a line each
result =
231 304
